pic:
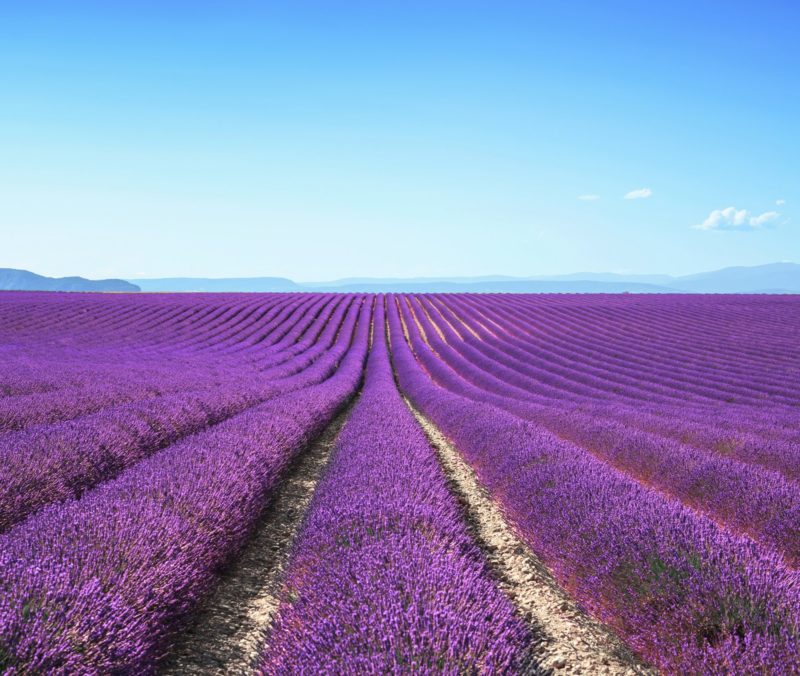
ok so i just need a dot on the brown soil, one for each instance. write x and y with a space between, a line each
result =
571 642
227 633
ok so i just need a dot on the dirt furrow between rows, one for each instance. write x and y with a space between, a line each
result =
571 641
227 633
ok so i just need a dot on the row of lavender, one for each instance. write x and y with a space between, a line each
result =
97 584
609 457
99 580
675 365
54 462
64 370
604 356
384 577
746 496
688 593
766 435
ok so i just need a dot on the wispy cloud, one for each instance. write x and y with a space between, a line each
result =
764 219
780 203
588 198
732 218
640 194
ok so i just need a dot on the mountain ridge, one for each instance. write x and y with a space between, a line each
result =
13 279
772 278
220 284
783 277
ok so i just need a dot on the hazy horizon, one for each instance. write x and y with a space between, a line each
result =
576 275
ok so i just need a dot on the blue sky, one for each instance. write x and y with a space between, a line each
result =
318 140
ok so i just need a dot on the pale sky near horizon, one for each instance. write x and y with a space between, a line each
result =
317 140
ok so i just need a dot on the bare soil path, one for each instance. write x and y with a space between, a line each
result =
571 641
227 633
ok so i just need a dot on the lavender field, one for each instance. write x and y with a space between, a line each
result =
504 483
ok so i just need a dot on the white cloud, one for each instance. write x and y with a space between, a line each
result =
764 219
780 203
588 198
737 219
640 194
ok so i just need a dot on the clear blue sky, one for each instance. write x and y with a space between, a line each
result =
318 140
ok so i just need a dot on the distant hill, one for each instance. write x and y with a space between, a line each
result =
252 284
494 284
351 281
509 286
771 278
22 280
658 280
